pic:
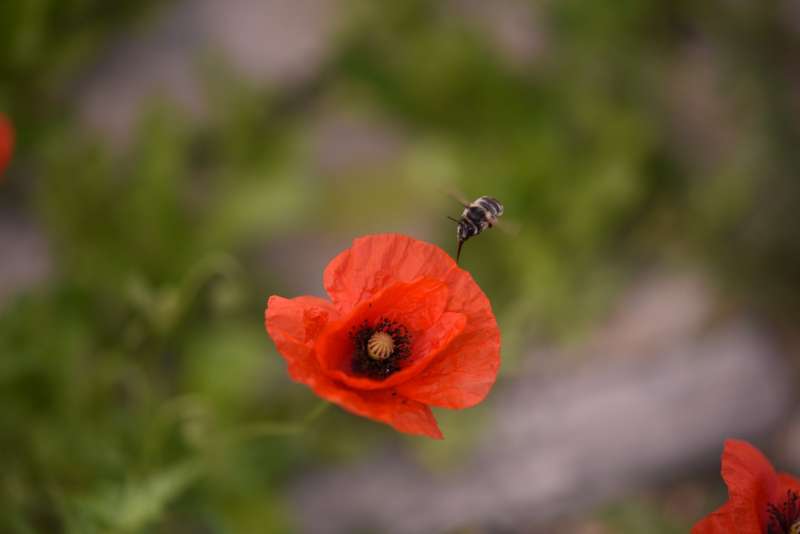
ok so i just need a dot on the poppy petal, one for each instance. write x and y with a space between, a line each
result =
719 522
424 350
383 405
455 342
294 324
751 482
6 143
417 306
465 371
786 483
375 261
462 375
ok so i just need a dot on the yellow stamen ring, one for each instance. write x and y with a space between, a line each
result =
380 346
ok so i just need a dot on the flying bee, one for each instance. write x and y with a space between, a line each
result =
479 215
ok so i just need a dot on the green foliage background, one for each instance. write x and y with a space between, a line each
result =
138 390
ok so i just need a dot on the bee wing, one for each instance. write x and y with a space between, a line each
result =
507 226
455 195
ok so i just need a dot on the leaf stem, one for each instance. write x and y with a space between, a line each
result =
272 428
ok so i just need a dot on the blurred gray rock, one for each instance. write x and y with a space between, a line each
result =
266 41
704 124
788 458
557 445
24 258
513 27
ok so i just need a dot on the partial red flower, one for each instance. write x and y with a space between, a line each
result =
760 501
6 143
406 329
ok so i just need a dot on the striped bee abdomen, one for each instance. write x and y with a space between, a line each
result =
491 205
477 217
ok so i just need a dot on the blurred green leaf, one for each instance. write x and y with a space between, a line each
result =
135 504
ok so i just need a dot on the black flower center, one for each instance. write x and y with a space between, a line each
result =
786 518
379 348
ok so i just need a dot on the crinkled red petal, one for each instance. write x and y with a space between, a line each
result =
426 347
383 405
786 483
294 325
720 522
752 483
375 262
463 373
6 143
418 305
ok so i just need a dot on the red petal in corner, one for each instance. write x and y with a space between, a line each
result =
751 482
787 483
720 522
6 143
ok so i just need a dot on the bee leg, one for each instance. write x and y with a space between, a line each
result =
458 251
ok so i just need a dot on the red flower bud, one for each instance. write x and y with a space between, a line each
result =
6 143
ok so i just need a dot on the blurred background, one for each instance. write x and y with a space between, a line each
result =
177 162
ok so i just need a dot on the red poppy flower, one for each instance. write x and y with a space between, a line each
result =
760 501
406 330
6 143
